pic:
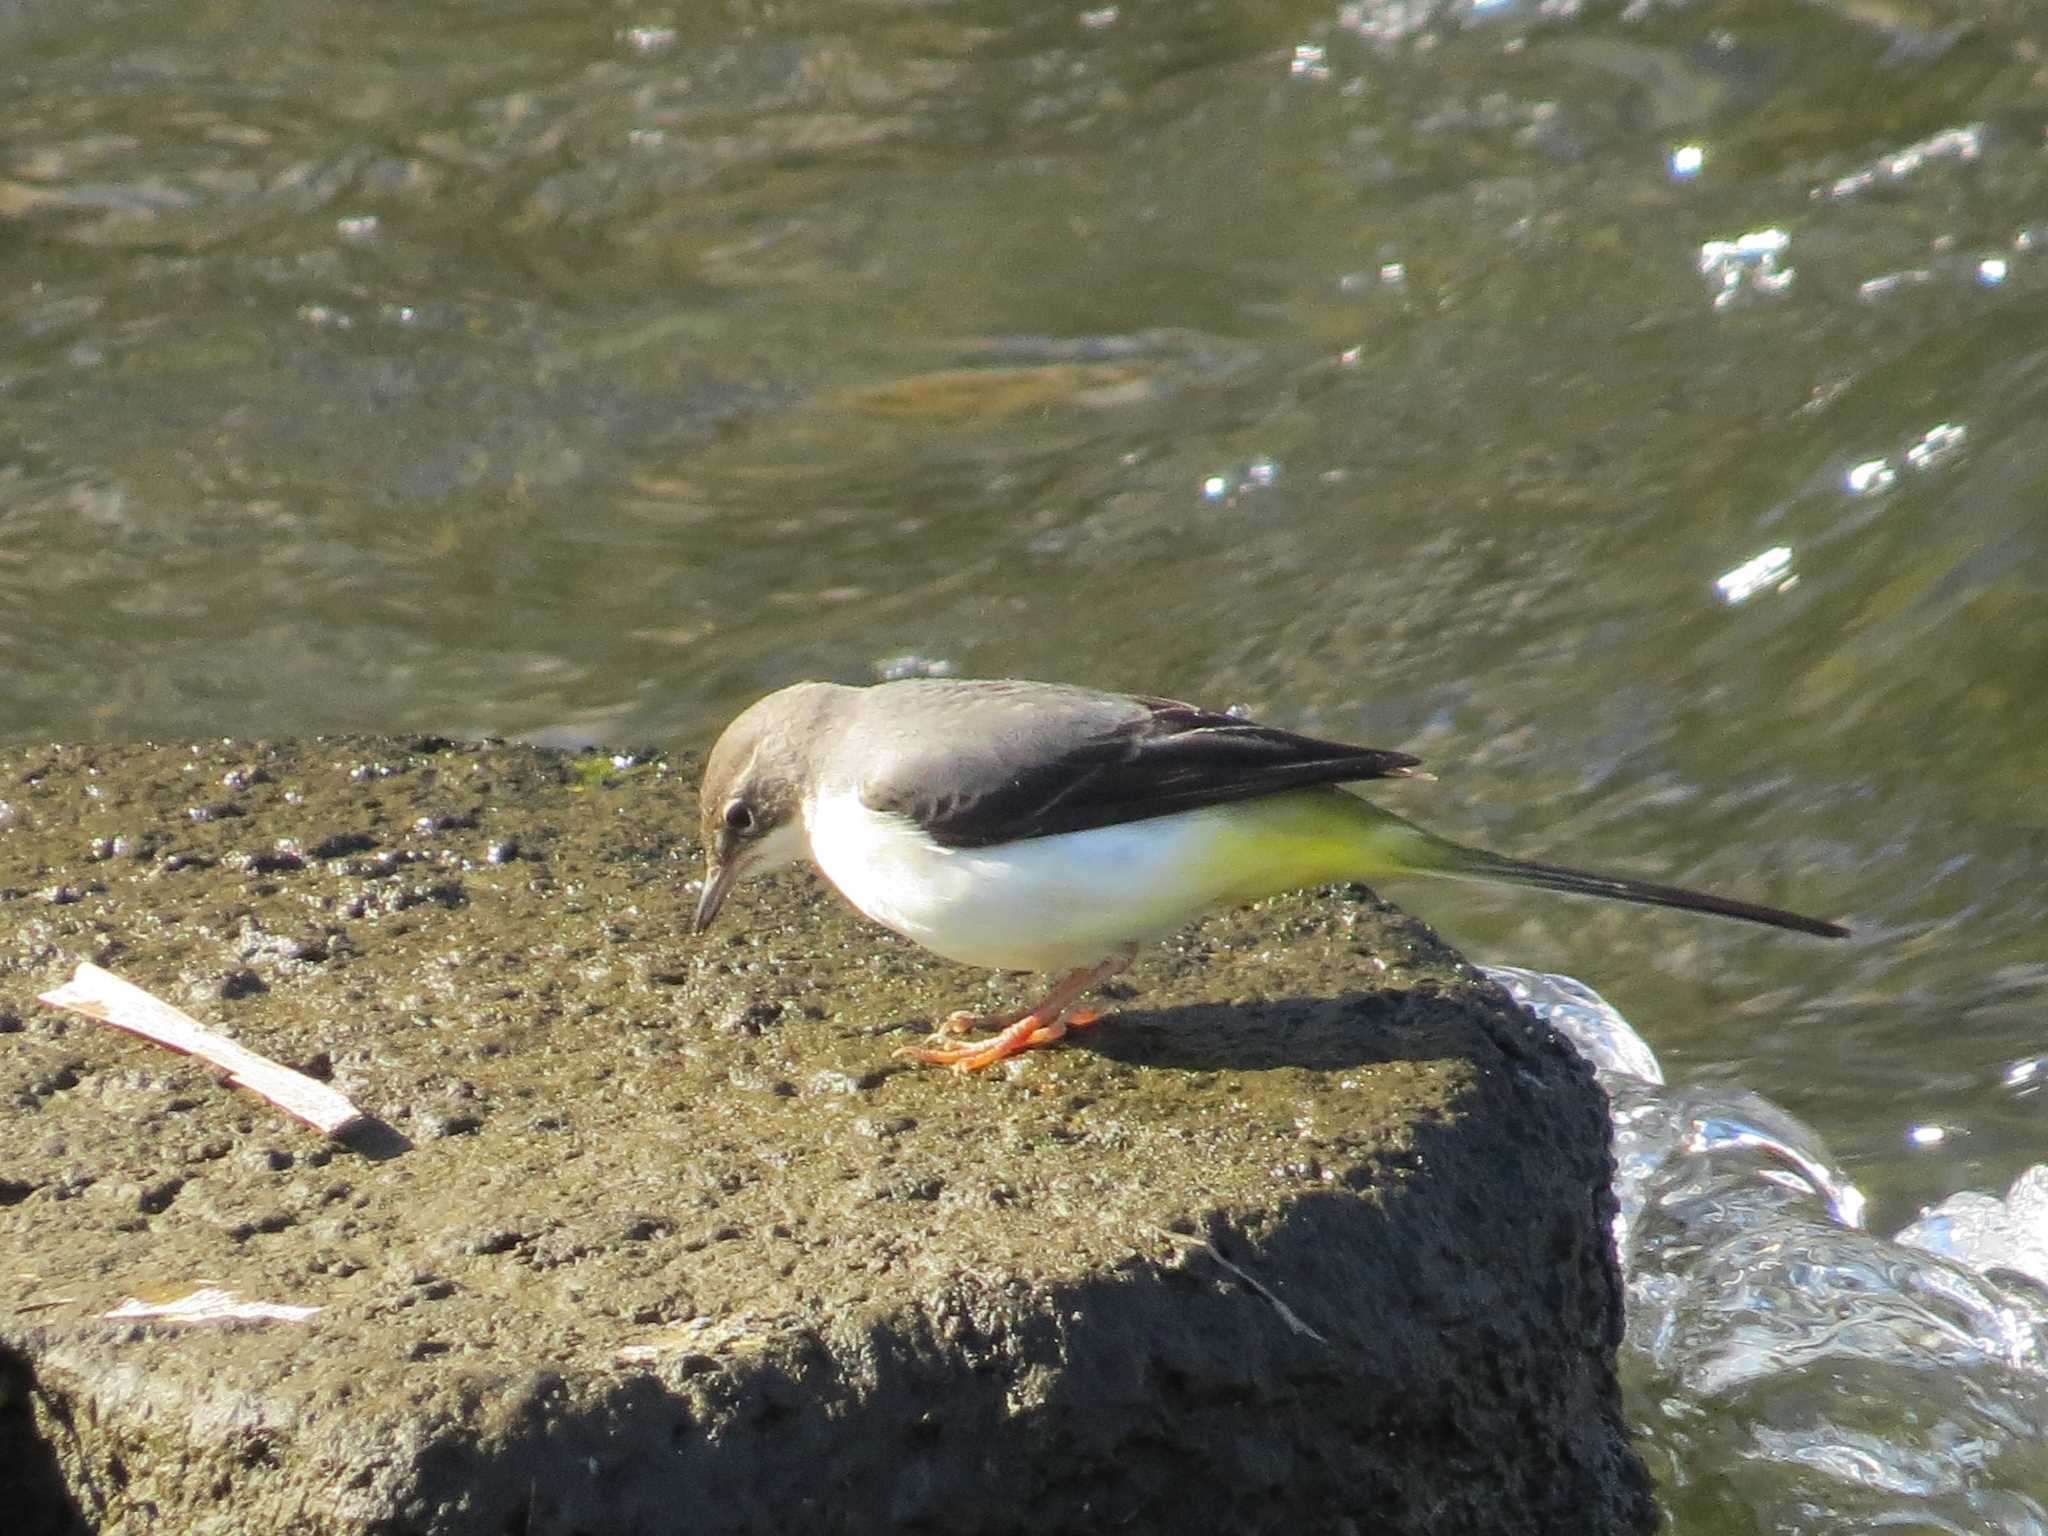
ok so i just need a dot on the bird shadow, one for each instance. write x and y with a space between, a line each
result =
1326 1034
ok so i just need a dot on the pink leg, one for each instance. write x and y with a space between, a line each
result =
1053 1016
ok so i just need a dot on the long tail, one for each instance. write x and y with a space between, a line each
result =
1462 863
1311 836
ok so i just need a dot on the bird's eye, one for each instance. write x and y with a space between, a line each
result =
739 816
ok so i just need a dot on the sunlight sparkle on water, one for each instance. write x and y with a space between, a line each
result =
1960 144
326 317
1892 282
1311 61
1256 475
1870 478
1937 446
1749 261
1772 568
1687 159
1386 21
912 664
650 40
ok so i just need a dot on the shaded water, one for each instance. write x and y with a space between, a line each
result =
1635 409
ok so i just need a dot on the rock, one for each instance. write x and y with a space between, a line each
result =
1332 1256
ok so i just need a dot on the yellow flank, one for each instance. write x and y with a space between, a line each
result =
1321 836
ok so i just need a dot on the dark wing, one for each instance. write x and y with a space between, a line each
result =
1109 758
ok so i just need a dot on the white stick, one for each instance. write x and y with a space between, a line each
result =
210 1304
1288 1315
100 994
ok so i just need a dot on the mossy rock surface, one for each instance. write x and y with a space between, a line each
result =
652 1234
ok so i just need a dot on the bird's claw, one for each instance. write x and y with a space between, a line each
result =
1017 1035
962 1021
1015 1032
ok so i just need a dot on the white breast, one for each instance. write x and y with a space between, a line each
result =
1043 904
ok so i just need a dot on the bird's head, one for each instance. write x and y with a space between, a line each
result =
750 807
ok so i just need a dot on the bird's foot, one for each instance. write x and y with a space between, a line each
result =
1036 1028
1016 1032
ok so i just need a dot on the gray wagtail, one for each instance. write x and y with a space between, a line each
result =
1039 827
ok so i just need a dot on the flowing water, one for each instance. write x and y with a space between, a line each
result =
1789 1370
1634 408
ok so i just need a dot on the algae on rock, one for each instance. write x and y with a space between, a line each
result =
659 1237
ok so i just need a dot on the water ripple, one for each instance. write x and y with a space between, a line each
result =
1755 1294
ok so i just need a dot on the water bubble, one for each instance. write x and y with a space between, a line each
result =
1986 1232
1596 1031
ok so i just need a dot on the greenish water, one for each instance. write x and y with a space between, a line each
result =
581 374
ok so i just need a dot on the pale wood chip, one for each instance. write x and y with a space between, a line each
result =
100 994
209 1304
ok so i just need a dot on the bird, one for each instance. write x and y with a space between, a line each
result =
1037 826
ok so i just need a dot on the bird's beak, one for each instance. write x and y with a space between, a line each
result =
718 880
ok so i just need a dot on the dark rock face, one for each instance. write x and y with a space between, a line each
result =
653 1235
